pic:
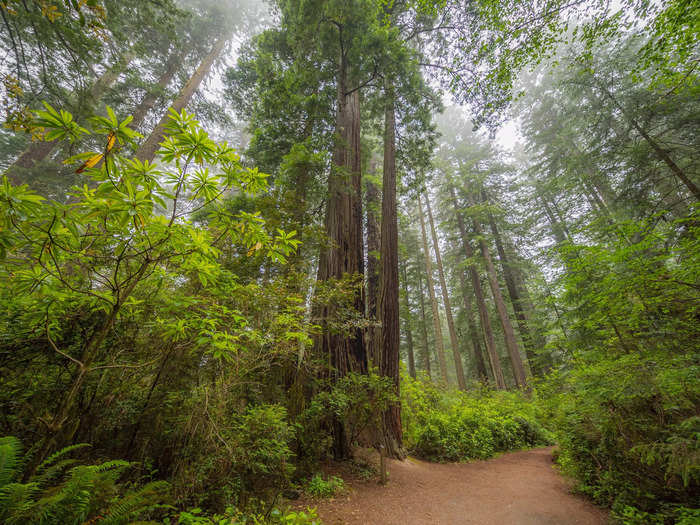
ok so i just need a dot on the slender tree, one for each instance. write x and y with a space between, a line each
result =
459 369
147 150
511 342
480 300
439 348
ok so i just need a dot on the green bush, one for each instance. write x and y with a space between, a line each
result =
629 432
448 425
325 488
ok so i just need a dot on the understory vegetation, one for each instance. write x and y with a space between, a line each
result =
244 242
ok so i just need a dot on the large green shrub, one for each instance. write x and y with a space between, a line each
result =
629 432
448 425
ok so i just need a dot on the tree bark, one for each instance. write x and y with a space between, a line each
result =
374 347
489 340
479 362
407 323
389 283
509 333
439 348
424 325
141 111
343 256
459 369
516 301
147 150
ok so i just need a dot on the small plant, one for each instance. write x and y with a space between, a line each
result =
233 516
321 488
363 470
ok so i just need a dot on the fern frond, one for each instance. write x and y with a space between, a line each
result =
10 459
136 502
58 454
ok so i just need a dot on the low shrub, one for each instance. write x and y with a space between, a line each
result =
233 516
449 425
325 488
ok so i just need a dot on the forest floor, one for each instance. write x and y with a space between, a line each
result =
518 488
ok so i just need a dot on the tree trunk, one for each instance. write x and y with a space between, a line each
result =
407 323
509 333
389 283
439 348
516 301
424 325
374 347
147 150
459 369
141 111
489 340
481 373
343 256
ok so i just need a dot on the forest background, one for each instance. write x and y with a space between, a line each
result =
238 240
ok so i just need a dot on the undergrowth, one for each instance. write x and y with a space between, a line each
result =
449 425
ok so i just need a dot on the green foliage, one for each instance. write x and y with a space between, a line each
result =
233 516
325 488
358 400
61 491
626 414
449 425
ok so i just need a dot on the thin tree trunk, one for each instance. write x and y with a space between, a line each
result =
516 301
407 323
459 369
424 325
489 340
147 150
479 362
389 287
439 348
374 347
509 333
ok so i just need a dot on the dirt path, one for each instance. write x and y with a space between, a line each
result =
520 488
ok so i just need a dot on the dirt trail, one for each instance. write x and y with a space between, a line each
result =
520 488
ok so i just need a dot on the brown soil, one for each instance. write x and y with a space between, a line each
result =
520 488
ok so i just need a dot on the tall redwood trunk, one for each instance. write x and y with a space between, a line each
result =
147 150
479 362
389 282
509 333
424 325
489 340
407 323
459 369
439 348
343 256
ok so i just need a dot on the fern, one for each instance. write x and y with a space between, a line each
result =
64 492
10 459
